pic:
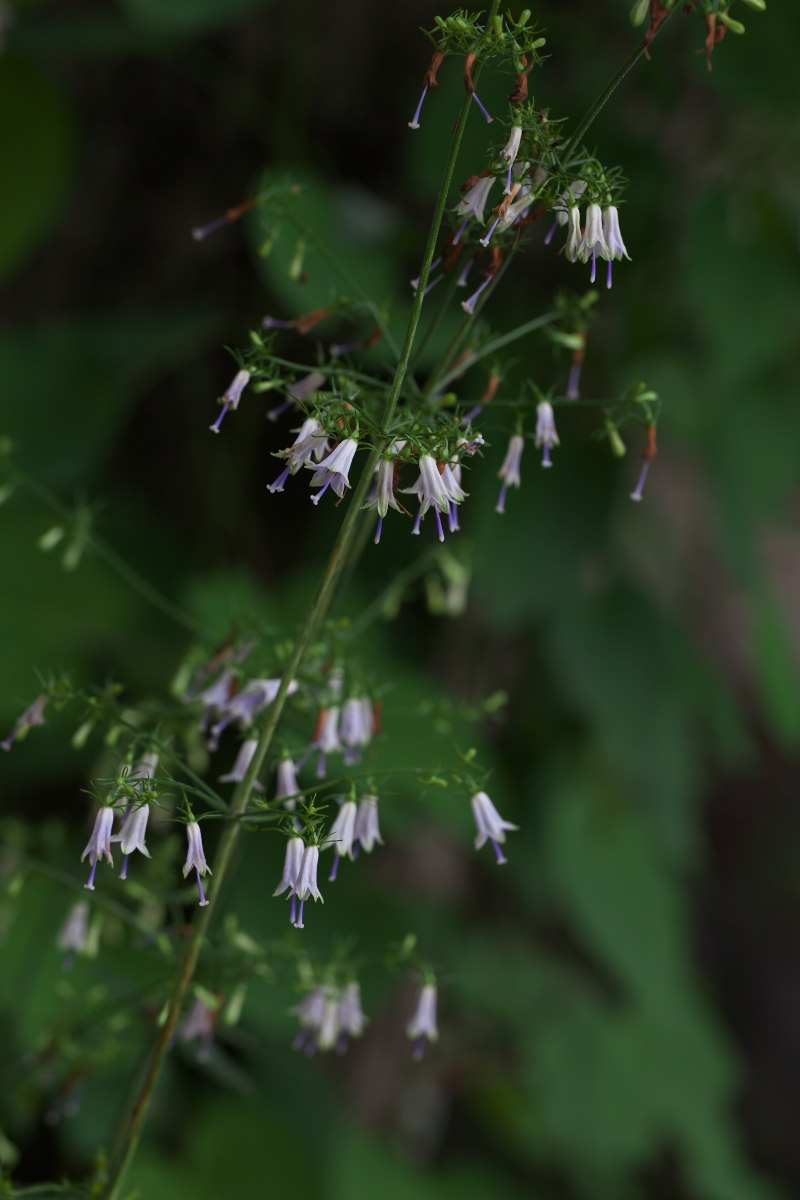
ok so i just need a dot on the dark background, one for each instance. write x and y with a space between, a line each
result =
620 1005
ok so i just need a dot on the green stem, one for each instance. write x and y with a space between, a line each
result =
134 1123
105 552
497 344
597 106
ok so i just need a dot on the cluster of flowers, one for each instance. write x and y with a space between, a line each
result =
328 1015
354 828
438 489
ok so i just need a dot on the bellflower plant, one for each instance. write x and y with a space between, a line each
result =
375 417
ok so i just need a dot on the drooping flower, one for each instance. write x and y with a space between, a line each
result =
326 737
73 937
333 471
309 1013
199 1025
195 858
350 1015
613 239
573 244
356 727
383 495
566 201
593 243
145 766
510 152
636 494
509 472
242 764
422 1025
367 831
546 435
231 398
491 826
473 202
342 835
295 848
286 785
306 883
436 488
245 705
99 844
34 715
311 442
468 305
131 835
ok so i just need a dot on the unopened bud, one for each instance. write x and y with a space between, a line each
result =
733 25
49 540
523 18
758 5
639 12
618 447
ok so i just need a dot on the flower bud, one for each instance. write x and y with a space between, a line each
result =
639 12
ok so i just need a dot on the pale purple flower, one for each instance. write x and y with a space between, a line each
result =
414 122
301 389
510 152
99 844
613 238
145 767
34 715
491 826
468 305
131 835
356 727
231 398
546 435
572 248
422 1025
382 497
333 471
473 202
593 243
310 1012
286 786
306 883
245 706
198 1025
367 831
636 494
311 442
350 1015
242 764
195 858
326 740
295 848
73 937
509 472
561 209
342 835
436 489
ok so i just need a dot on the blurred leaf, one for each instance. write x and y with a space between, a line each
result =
190 16
36 146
